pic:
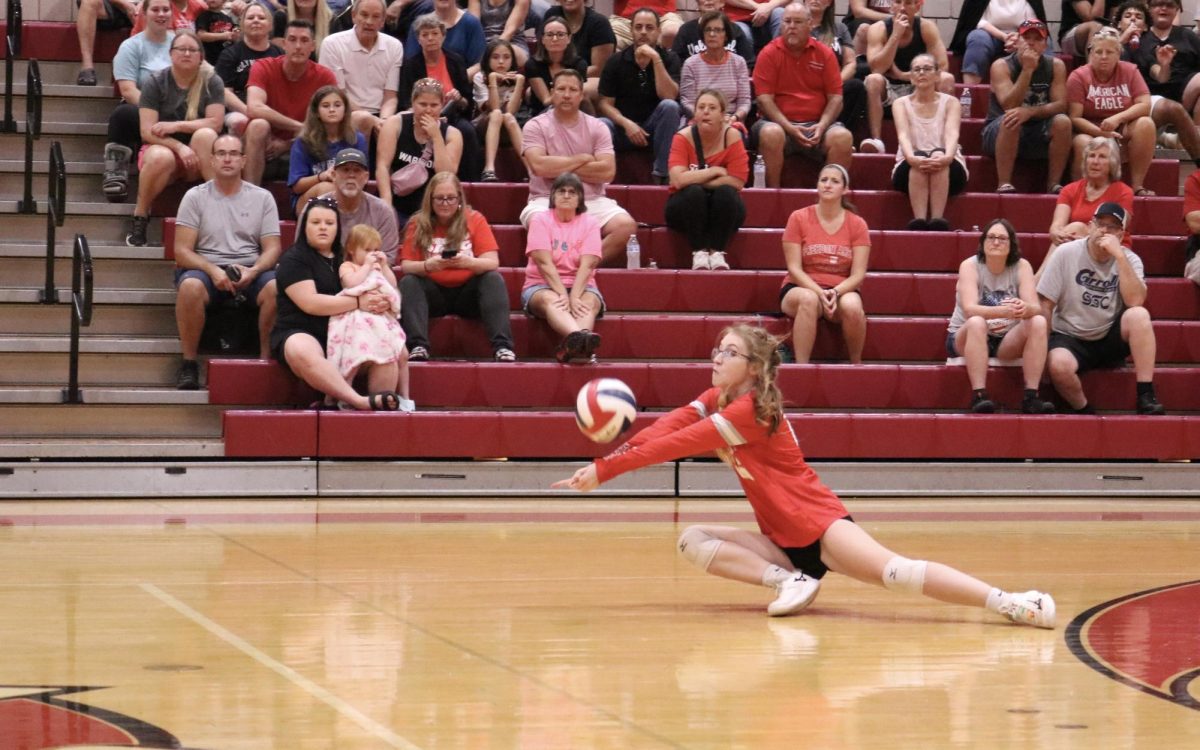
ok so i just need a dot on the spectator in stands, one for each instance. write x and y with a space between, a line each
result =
462 35
99 15
1078 201
997 314
563 139
137 58
930 165
718 69
622 21
689 40
709 167
183 16
413 147
359 339
499 96
1080 19
798 85
987 29
450 70
554 53
308 285
326 132
1108 98
560 279
826 247
234 64
316 12
356 206
181 110
1191 217
226 248
402 13
638 91
367 65
592 36
1131 19
761 23
892 45
1169 57
449 259
1027 111
1094 293
216 29
277 99
504 20
860 14
833 34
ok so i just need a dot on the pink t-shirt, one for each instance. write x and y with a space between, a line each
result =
587 136
567 243
826 257
1102 100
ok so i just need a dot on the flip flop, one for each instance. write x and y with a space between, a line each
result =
1144 192
384 401
1006 188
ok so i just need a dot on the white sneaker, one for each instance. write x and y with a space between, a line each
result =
700 260
407 405
795 593
1030 608
871 146
717 262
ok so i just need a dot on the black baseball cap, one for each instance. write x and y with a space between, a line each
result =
350 156
1112 209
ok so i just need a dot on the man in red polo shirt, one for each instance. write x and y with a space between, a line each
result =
277 97
799 93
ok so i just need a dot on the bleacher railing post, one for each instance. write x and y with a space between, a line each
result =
56 214
33 131
81 313
12 48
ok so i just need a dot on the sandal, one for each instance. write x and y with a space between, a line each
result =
505 354
384 401
489 175
1007 187
591 344
1058 188
418 354
86 77
573 345
1144 192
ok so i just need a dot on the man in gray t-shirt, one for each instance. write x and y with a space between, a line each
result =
1093 292
226 247
356 206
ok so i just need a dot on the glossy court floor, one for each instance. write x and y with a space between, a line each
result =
484 624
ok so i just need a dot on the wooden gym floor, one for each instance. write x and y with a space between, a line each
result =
573 624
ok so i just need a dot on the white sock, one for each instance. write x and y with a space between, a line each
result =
775 575
995 598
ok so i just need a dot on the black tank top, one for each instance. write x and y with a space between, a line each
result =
1039 85
905 55
407 152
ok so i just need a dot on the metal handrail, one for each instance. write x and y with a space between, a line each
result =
33 131
56 214
12 48
81 312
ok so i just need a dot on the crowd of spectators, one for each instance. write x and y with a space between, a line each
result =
330 96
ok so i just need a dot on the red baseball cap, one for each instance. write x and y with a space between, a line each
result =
1033 24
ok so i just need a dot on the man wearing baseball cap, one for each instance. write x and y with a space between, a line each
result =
357 206
1093 293
1027 112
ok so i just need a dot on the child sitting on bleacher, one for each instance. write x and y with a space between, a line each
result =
359 337
216 29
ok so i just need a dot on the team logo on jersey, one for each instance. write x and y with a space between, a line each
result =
1145 640
39 716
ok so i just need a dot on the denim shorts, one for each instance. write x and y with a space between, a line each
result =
527 294
216 295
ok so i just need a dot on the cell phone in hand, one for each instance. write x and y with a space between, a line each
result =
448 254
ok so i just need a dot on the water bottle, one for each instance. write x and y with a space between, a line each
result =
965 100
633 253
760 172
1135 41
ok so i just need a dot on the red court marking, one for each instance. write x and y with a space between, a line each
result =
28 724
1151 639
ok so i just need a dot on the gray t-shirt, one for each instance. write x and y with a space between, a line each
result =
372 211
1086 294
229 228
164 96
993 290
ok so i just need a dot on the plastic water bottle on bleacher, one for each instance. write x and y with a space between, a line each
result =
760 172
633 253
965 100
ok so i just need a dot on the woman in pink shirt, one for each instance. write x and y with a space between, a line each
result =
560 280
826 247
1109 98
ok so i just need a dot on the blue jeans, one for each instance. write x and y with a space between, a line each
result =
661 125
982 49
762 35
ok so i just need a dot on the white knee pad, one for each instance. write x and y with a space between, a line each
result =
902 574
698 546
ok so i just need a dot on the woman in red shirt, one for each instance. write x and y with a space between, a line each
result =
826 247
708 167
804 530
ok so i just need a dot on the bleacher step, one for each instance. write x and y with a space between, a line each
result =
112 319
74 448
101 395
110 420
109 227
95 369
89 344
60 72
80 142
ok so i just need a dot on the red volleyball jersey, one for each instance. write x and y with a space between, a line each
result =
791 504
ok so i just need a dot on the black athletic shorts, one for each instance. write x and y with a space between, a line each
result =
808 559
1110 351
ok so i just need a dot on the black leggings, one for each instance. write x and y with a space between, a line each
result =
125 128
709 218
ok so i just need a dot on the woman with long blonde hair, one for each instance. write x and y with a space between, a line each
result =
804 530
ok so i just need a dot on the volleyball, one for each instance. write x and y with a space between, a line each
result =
604 408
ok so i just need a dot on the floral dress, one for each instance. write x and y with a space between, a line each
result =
360 336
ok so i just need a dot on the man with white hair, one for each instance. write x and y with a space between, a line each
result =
367 65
